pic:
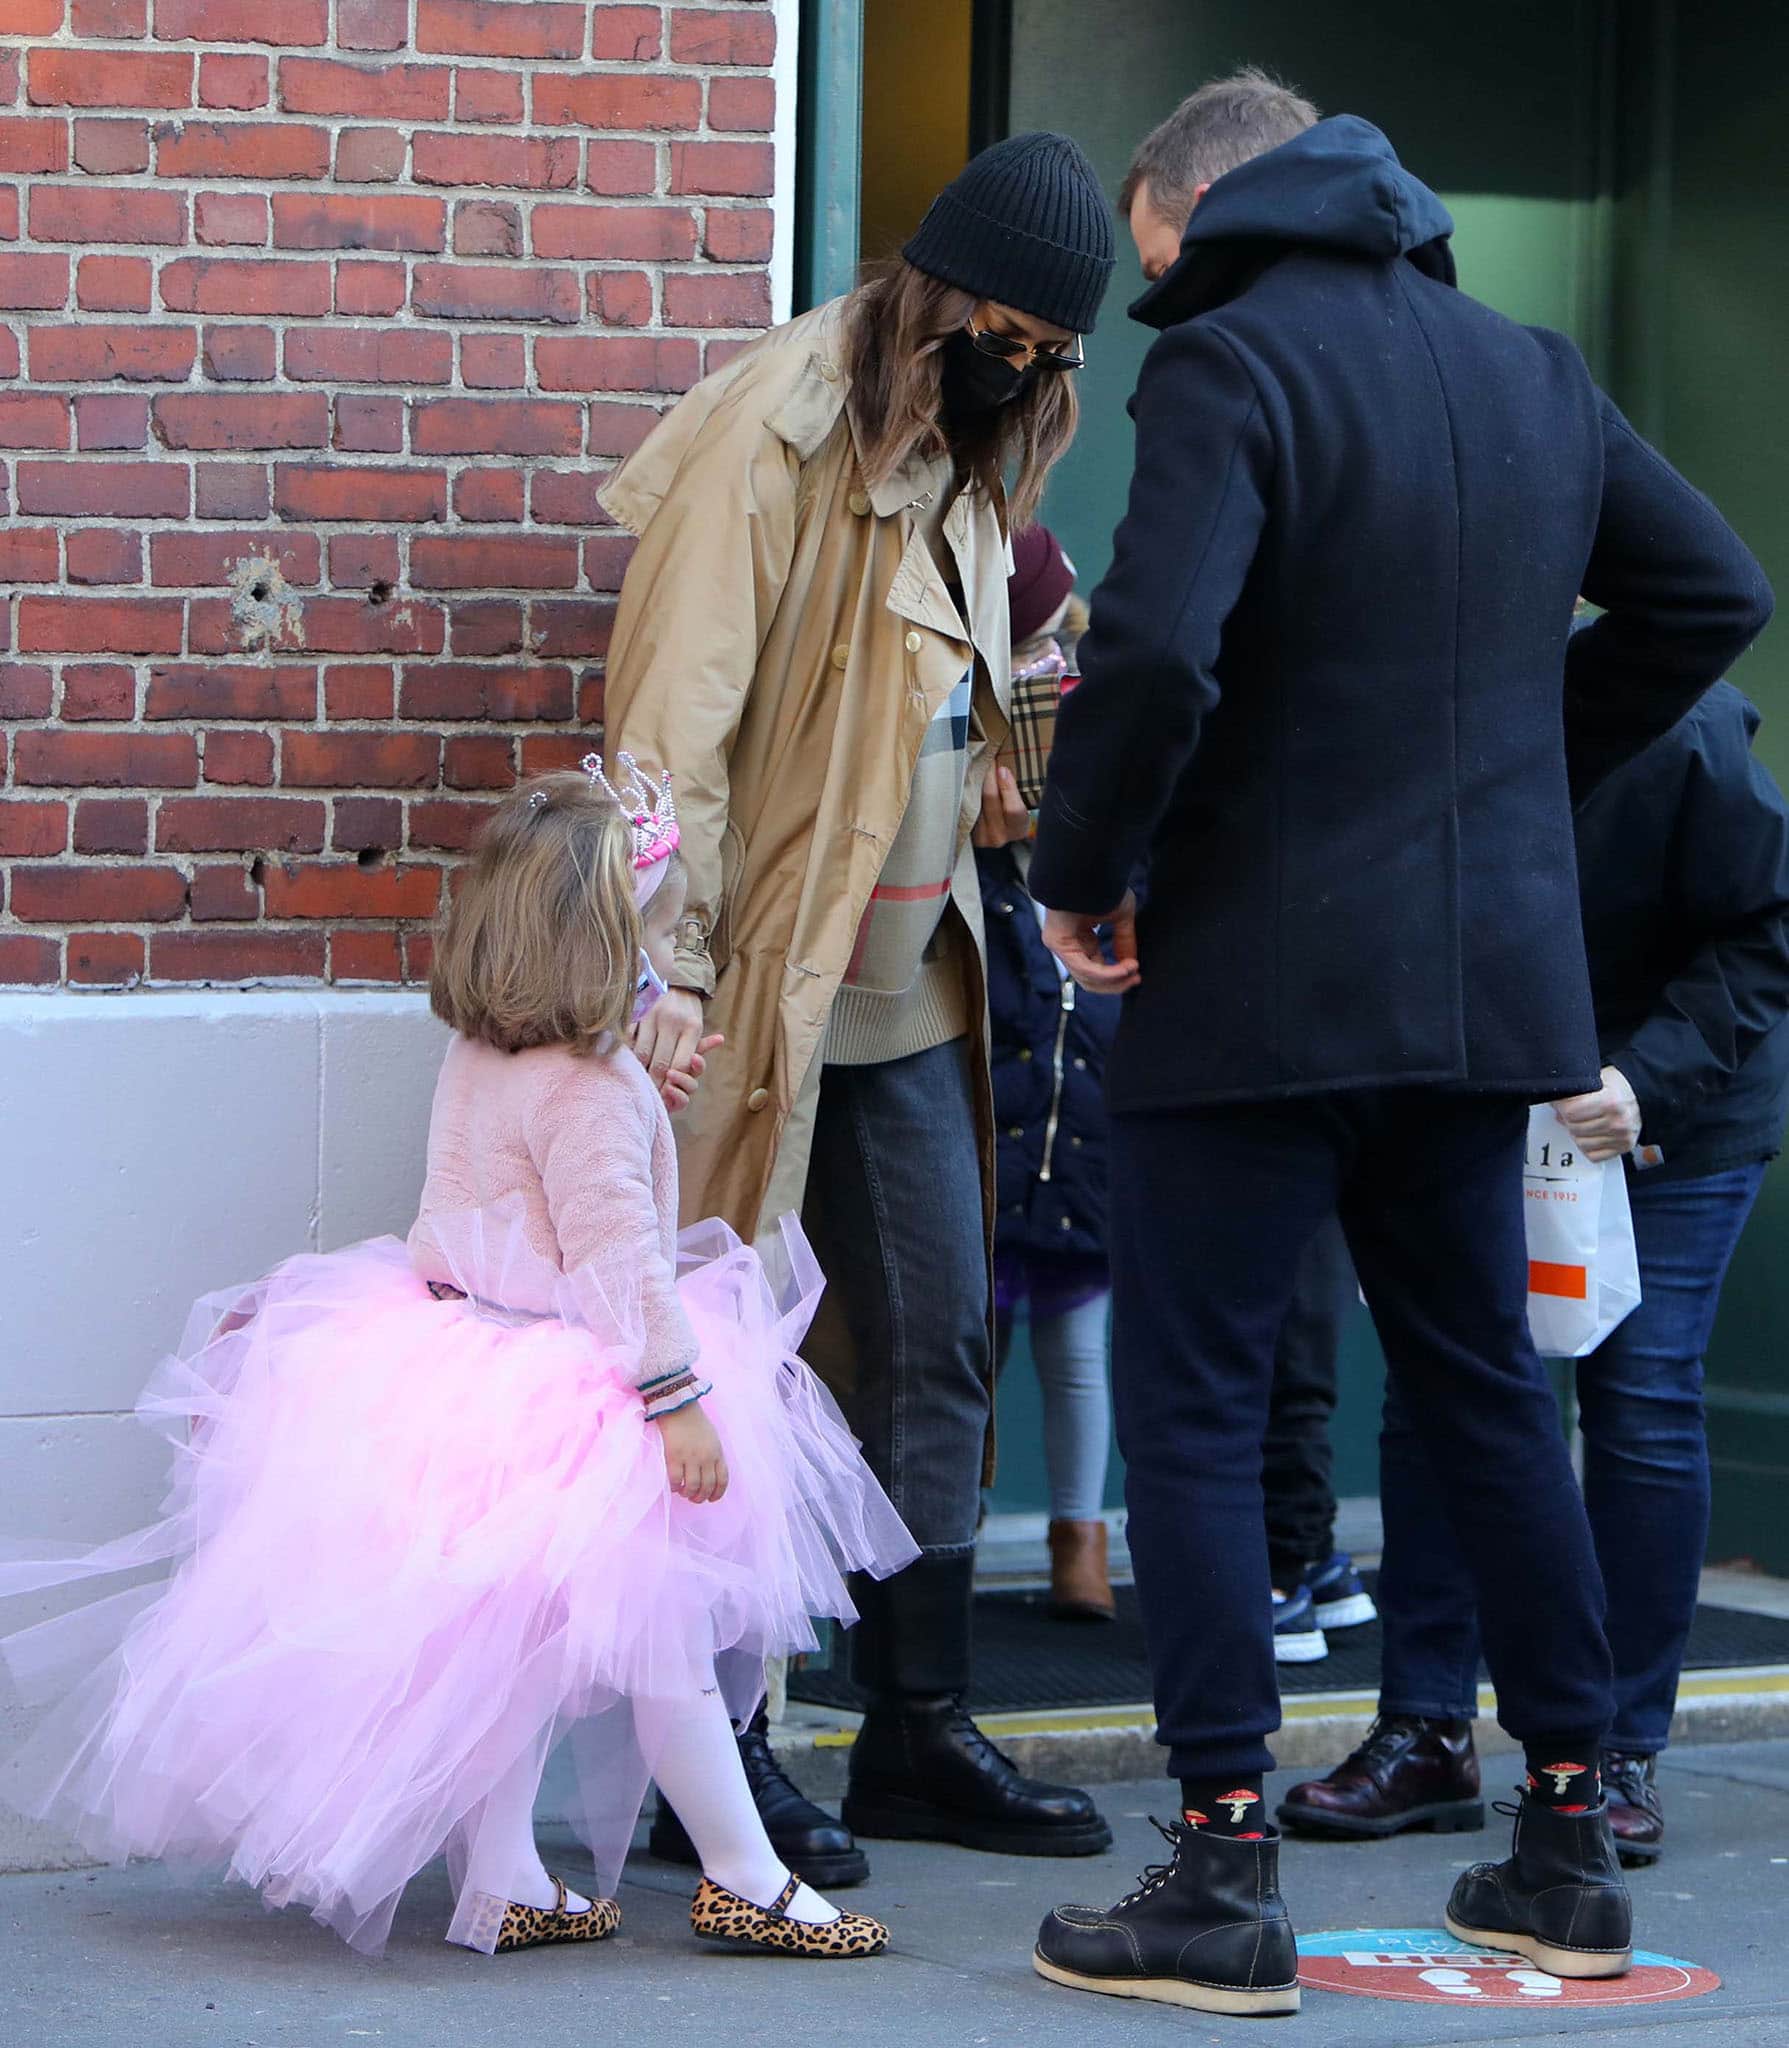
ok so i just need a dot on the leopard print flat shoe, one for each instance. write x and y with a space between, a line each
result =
723 1916
519 1926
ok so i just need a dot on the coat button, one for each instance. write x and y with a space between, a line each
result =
859 501
758 1099
1075 1143
1017 1131
1024 1052
841 657
1080 1066
914 643
1066 1224
830 371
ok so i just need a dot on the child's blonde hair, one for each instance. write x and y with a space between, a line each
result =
541 942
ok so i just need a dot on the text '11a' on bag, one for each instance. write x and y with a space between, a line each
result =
1583 1270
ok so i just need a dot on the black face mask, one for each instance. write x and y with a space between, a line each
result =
975 382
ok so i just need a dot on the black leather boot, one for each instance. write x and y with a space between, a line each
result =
1560 1900
921 1770
805 1837
1207 1930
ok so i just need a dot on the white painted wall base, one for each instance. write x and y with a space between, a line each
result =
158 1146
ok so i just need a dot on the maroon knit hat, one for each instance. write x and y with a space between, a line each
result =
1042 577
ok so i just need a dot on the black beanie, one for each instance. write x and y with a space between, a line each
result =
1025 224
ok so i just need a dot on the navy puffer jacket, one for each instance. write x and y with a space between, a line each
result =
1049 1050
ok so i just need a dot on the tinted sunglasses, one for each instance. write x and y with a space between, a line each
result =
1008 348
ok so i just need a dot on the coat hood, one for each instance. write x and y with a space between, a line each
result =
1338 186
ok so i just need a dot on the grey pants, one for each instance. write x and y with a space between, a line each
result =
894 1211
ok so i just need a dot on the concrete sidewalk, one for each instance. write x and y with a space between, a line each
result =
132 1959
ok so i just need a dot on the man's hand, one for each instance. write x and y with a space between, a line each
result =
1075 940
668 1037
679 1086
695 1464
1004 818
1606 1124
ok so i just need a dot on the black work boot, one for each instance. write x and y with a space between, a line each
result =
1208 1930
1560 1900
805 1837
921 1770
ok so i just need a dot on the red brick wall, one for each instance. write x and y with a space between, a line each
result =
321 321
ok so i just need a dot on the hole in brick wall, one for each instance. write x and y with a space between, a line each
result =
257 871
369 856
267 614
380 593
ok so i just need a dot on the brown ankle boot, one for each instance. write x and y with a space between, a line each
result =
1080 1585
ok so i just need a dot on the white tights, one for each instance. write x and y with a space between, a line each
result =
694 1757
501 1859
690 1746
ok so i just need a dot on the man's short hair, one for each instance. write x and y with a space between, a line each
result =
1220 126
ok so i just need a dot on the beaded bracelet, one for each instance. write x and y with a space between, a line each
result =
671 1391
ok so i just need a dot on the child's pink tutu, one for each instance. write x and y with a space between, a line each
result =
412 1540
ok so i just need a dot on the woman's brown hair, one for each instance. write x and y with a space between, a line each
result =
541 943
896 325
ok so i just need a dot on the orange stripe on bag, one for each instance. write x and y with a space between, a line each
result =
1565 1283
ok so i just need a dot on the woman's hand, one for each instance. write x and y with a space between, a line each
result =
667 1038
679 1086
1606 1124
695 1464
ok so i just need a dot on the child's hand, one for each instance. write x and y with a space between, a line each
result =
679 1086
695 1464
1004 818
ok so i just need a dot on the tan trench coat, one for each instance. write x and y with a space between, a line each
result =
783 639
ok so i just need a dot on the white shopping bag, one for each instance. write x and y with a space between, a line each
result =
1583 1272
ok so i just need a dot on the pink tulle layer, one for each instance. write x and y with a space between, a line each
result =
412 1541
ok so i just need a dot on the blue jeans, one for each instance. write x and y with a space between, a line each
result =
1645 1482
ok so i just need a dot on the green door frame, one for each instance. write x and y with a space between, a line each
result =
828 146
829 132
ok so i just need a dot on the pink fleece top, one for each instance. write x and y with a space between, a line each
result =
586 1143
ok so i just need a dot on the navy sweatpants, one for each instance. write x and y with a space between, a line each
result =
1211 1210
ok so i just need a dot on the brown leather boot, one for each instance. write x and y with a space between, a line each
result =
1409 1773
1636 1816
1080 1583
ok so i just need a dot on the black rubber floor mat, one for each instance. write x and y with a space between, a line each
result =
1023 1659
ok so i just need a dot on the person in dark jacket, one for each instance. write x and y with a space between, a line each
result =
1049 1041
1684 872
1327 686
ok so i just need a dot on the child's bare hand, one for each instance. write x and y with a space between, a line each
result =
1004 818
695 1464
680 1084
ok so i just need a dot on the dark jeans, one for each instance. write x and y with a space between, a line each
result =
894 1211
1297 1464
1645 1481
1212 1210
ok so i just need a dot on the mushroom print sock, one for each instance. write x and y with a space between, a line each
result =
1225 1806
1566 1776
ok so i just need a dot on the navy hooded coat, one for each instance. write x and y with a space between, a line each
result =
1327 686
